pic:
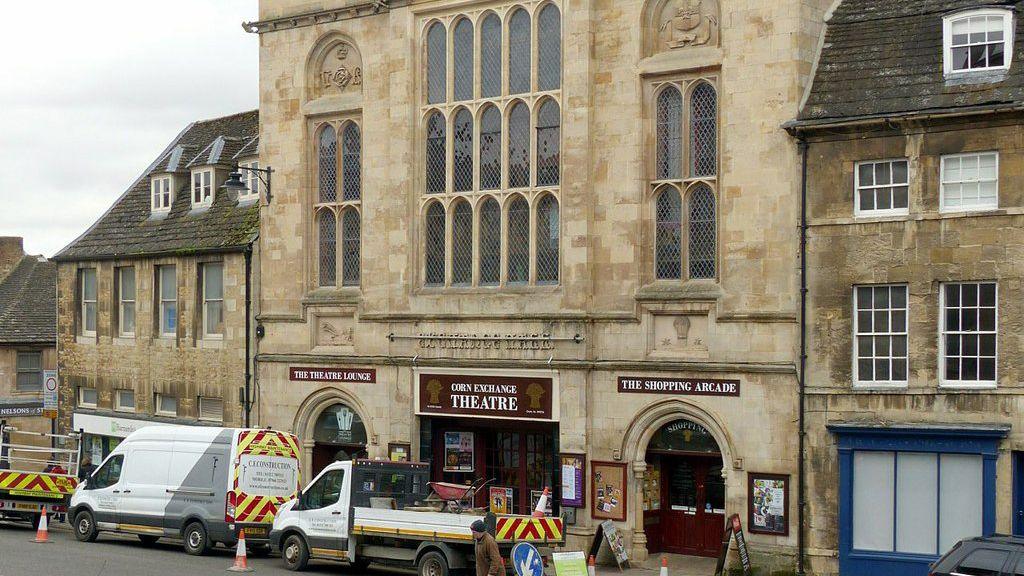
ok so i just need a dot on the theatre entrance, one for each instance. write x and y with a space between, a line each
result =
684 491
340 435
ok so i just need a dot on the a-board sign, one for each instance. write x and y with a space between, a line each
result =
526 560
569 563
607 532
733 530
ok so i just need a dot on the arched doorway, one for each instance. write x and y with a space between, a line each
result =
339 434
684 490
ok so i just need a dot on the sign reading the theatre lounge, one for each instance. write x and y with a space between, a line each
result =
485 396
357 375
682 387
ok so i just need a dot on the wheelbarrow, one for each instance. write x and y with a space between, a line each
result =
458 497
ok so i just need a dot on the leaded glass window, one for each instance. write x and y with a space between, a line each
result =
519 52
328 165
462 244
436 63
462 169
328 257
703 131
435 228
668 235
548 136
490 57
518 241
490 242
462 44
702 232
669 136
350 258
351 162
436 153
549 48
519 146
547 240
490 149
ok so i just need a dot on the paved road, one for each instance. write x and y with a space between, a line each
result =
115 555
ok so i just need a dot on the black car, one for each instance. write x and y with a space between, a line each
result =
989 556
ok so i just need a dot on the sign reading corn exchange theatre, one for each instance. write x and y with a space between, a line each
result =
683 387
485 396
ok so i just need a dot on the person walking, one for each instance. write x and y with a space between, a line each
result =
485 550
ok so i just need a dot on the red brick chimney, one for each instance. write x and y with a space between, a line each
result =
12 250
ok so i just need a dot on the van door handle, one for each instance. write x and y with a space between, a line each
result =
117 491
336 513
127 492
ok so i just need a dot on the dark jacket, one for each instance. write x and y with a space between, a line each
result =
488 557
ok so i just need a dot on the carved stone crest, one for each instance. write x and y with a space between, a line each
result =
336 68
685 23
334 332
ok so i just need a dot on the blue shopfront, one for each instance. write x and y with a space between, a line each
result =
908 493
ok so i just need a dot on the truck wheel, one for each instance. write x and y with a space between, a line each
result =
197 542
147 539
433 564
85 527
295 553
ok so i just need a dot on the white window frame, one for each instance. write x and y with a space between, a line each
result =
156 405
206 300
160 301
81 398
120 406
896 384
947 39
199 412
942 183
202 191
941 369
161 195
121 301
85 303
857 211
251 179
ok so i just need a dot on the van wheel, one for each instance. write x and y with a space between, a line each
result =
197 542
295 553
148 539
85 527
433 564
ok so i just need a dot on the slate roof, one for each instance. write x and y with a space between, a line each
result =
883 58
251 148
130 229
28 303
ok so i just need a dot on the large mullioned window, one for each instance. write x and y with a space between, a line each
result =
491 133
337 215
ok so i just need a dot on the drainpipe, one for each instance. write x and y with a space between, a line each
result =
801 542
246 404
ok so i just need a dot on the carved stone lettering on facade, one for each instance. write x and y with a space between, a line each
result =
486 341
686 23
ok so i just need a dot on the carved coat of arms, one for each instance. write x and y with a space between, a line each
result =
694 23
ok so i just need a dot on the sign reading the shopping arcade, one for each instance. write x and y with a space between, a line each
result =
485 396
357 375
683 387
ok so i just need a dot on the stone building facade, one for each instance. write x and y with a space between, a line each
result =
512 237
151 308
914 257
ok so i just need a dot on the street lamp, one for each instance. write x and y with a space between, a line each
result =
235 183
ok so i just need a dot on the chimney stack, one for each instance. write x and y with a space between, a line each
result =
12 250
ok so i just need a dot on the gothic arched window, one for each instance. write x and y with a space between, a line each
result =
462 44
327 171
435 233
549 48
351 162
462 244
703 131
327 258
702 232
518 241
548 140
668 235
436 145
350 257
519 146
490 56
519 52
547 240
437 57
462 169
669 136
490 242
490 149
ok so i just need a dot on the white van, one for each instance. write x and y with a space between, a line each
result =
203 485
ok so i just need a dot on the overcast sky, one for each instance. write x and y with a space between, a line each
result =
91 92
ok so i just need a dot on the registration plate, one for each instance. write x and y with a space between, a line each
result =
256 531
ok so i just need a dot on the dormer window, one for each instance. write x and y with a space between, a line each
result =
251 179
202 187
161 193
977 41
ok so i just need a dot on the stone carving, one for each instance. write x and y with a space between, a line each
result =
682 326
341 69
689 23
684 334
333 333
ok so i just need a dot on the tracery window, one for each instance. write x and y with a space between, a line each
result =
702 232
703 131
670 125
328 166
337 217
351 161
492 164
668 235
328 254
350 248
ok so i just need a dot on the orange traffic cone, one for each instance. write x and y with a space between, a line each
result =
42 532
241 561
664 566
542 503
591 568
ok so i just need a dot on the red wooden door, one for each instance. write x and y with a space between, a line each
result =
693 506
